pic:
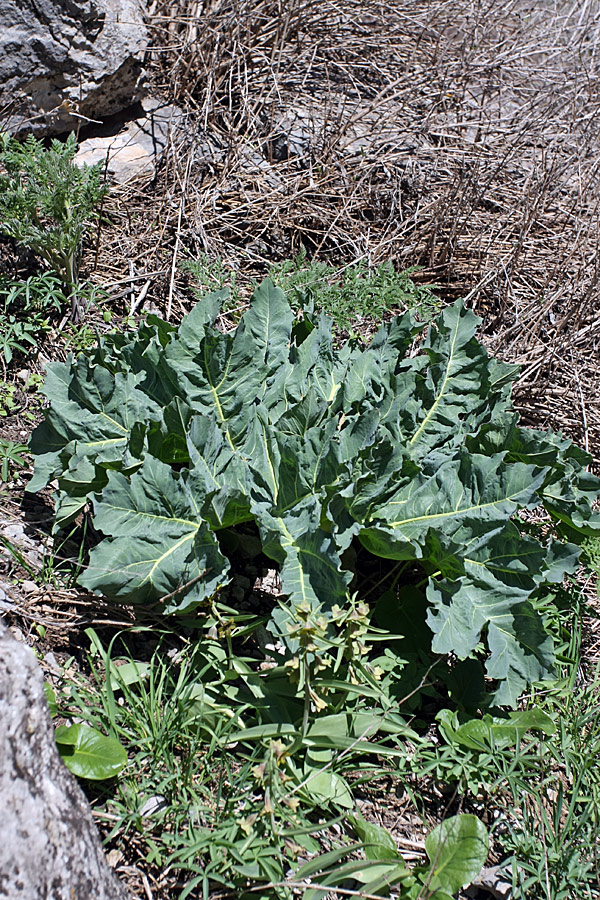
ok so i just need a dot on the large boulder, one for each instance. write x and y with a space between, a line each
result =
62 62
49 846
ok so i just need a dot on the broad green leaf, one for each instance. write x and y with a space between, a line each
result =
179 436
561 559
268 324
520 652
161 549
313 369
131 672
501 573
457 850
218 474
379 474
222 376
167 439
469 488
343 730
88 753
92 414
520 649
528 720
311 569
342 725
326 787
264 732
490 732
306 465
454 385
369 372
378 843
79 479
376 877
379 875
322 862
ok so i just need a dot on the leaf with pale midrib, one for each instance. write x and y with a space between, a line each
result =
177 436
160 545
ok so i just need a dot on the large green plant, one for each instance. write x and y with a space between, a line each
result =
177 436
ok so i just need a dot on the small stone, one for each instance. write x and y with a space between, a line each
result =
52 663
493 882
29 587
136 149
14 533
113 858
152 805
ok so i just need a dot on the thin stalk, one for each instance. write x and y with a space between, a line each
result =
306 713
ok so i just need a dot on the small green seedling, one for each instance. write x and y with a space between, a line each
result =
11 457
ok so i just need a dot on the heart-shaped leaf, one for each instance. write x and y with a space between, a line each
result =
88 753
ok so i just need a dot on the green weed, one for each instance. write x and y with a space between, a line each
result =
38 293
349 294
46 201
224 789
8 401
12 458
200 798
353 293
212 275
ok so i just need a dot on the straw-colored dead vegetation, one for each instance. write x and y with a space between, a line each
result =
458 136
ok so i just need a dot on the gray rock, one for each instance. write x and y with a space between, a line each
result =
138 147
295 132
153 805
62 62
49 847
5 599
491 884
14 533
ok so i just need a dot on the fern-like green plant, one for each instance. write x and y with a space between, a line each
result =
46 201
11 458
354 293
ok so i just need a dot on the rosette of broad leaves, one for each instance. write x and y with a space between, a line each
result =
173 438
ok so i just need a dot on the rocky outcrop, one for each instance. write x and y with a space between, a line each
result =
49 847
64 62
